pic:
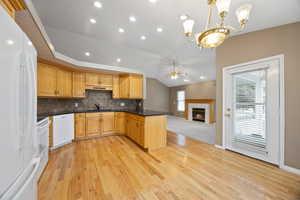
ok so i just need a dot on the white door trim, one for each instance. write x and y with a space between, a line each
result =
281 102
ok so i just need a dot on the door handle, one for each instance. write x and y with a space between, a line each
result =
227 115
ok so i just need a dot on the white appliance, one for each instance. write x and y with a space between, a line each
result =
63 130
43 144
18 104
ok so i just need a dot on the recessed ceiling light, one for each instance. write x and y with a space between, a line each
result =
186 80
183 17
93 21
143 37
87 53
10 42
97 4
152 1
119 60
202 77
121 30
159 29
132 19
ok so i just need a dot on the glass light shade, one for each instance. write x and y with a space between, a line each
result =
174 75
243 13
188 27
223 6
213 37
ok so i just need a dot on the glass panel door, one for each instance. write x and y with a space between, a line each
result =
252 109
249 110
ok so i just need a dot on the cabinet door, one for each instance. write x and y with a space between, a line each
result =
136 86
64 83
140 138
120 121
108 123
106 81
116 87
80 125
124 87
93 124
78 84
46 80
92 79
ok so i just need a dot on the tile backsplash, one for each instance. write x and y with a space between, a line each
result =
103 98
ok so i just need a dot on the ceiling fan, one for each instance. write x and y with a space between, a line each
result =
175 74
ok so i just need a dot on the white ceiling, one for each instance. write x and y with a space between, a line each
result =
67 24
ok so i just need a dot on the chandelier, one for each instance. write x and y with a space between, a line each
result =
215 35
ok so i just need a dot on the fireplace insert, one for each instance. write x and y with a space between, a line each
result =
198 114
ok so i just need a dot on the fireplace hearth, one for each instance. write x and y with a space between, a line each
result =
198 114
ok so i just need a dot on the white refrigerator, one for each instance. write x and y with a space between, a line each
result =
18 104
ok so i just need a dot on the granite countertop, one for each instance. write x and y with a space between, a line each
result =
143 113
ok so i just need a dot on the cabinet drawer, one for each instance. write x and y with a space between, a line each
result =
98 114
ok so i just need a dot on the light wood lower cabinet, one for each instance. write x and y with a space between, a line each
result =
108 123
93 124
120 122
148 132
80 125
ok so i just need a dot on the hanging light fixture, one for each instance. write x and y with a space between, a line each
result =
214 36
175 74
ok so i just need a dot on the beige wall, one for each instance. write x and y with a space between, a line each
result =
261 44
202 90
157 97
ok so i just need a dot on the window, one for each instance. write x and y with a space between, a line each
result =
181 101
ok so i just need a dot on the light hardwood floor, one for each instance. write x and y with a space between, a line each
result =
115 168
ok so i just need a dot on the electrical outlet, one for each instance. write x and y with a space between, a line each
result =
76 105
122 104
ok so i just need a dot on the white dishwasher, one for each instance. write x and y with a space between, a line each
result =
63 130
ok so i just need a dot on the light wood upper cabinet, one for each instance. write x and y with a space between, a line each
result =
54 82
106 81
11 6
93 124
131 86
92 80
136 86
97 81
116 87
46 80
80 126
79 84
64 83
108 122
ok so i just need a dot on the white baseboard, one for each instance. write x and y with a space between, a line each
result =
219 147
291 169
